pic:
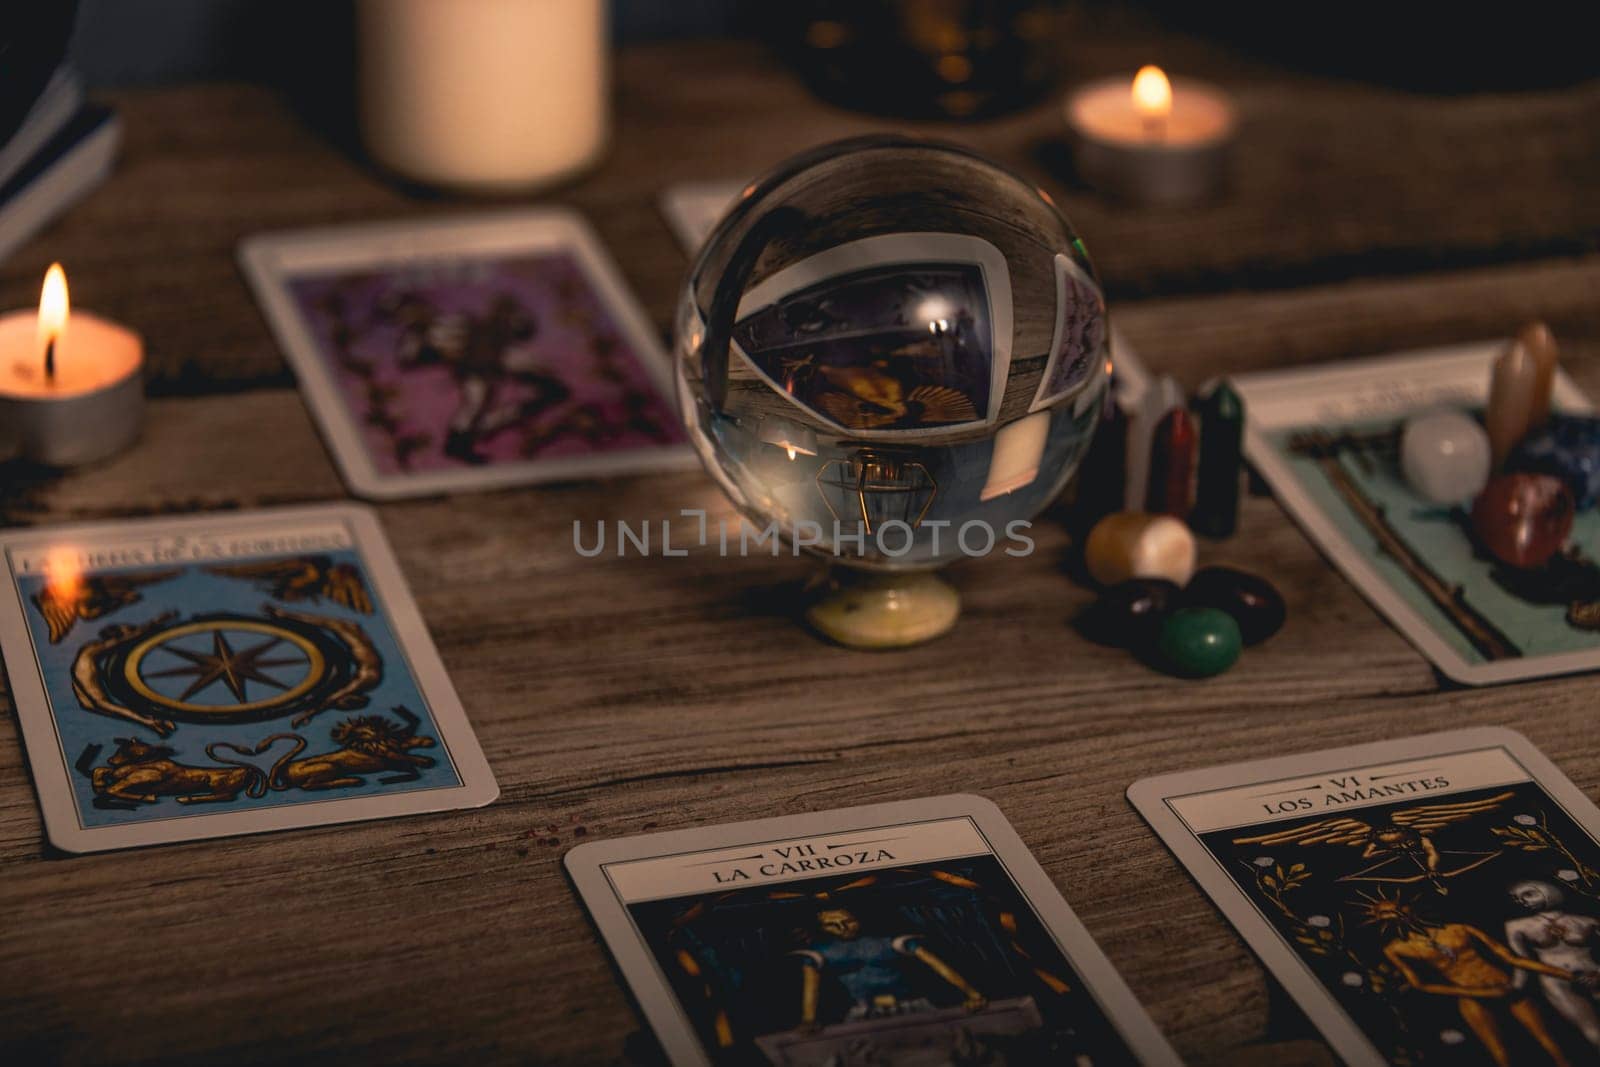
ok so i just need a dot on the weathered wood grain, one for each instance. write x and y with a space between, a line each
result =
617 696
625 695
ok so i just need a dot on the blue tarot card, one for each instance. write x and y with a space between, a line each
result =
180 679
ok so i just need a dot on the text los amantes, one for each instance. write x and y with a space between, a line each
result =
1351 790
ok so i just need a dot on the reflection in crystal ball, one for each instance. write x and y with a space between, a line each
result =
891 351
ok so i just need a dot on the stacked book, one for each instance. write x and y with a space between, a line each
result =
63 149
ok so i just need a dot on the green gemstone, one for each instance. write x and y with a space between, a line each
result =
1199 642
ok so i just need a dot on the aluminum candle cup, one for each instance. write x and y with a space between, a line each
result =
90 407
1151 141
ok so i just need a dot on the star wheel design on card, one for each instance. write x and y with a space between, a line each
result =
227 668
1403 845
217 677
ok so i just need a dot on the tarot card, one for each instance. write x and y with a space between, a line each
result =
1079 336
912 933
1326 440
216 675
473 353
1432 900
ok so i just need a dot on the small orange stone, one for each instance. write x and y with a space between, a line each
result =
1136 544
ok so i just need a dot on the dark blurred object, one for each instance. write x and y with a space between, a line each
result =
33 41
922 58
144 42
1429 47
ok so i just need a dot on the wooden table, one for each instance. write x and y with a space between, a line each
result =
619 696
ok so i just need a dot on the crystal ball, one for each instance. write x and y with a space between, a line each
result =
892 353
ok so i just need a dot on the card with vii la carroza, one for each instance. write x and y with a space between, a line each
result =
918 932
1432 900
215 675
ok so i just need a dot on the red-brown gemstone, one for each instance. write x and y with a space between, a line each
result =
1523 519
1170 490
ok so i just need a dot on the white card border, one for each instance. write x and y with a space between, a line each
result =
51 767
267 260
1150 796
1356 566
651 991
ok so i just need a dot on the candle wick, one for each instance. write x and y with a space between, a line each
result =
50 359
1155 127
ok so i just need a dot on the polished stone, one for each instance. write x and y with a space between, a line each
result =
1523 519
1129 614
1103 477
1445 456
1216 503
1541 345
1569 448
1253 602
1136 544
1514 382
1170 490
1159 397
1199 642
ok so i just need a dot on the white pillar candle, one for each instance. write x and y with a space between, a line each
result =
71 385
490 95
1149 140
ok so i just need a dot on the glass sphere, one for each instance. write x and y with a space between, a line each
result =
892 351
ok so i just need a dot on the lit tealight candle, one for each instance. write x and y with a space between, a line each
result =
1154 141
71 384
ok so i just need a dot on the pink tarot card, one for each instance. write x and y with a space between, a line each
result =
471 353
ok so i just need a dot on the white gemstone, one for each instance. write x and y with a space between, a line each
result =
1350 978
1445 456
1321 922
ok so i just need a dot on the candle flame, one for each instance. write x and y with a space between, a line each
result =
791 450
1152 93
63 575
53 307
